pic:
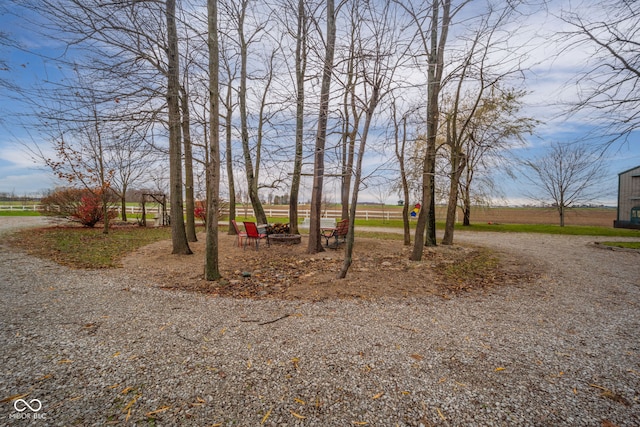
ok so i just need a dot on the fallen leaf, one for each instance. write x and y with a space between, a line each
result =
379 395
360 423
60 362
126 390
417 356
599 386
14 397
157 411
298 416
199 402
131 402
441 415
266 416
500 369
300 401
116 354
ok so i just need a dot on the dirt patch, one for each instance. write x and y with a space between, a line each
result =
380 268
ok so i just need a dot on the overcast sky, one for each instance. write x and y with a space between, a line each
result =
547 82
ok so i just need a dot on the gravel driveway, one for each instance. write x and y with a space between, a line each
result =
103 347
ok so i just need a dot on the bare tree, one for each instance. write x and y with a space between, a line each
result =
400 150
136 44
432 28
315 238
477 74
301 36
83 139
133 157
229 105
567 175
497 126
212 268
178 232
245 37
378 53
608 86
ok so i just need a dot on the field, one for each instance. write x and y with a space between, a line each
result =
602 217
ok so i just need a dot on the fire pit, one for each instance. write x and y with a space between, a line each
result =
284 239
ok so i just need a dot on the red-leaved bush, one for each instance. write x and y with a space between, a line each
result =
200 211
80 204
89 211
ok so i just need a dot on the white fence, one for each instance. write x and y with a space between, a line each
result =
248 212
31 208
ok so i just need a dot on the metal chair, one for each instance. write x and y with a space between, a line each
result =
253 234
239 234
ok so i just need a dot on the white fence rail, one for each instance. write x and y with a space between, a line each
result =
31 208
245 212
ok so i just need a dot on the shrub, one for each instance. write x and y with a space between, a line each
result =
81 204
200 211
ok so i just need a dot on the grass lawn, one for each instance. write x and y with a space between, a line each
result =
628 245
87 247
19 213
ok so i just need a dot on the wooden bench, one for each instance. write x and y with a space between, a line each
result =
339 232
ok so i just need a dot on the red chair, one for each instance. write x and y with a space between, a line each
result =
239 234
254 234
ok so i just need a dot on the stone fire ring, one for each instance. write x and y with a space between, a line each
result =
284 239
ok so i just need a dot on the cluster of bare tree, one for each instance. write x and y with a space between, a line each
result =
286 85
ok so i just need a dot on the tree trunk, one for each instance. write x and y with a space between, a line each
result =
315 238
426 217
466 208
349 132
105 213
348 251
212 267
178 234
229 155
301 66
457 167
400 146
252 178
123 204
188 169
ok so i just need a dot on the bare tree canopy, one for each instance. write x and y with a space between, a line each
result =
608 85
566 175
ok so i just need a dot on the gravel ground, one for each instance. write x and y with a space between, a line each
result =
103 347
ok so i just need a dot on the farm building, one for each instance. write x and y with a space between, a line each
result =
628 199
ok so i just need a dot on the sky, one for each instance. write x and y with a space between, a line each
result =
547 82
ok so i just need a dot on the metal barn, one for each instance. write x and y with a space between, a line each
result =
628 199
